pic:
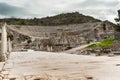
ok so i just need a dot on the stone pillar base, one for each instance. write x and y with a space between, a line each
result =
3 58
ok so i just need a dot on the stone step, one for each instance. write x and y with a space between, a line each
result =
5 72
8 65
1 65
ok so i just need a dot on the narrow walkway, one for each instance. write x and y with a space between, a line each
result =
79 48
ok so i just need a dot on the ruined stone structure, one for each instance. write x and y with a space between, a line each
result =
6 45
59 38
9 45
3 54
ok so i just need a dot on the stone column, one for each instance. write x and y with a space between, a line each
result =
4 43
9 45
51 48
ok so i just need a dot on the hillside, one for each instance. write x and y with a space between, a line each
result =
61 19
57 33
68 18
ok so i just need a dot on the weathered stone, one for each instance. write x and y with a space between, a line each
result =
0 78
3 54
12 79
5 72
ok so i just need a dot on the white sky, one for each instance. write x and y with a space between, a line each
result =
101 9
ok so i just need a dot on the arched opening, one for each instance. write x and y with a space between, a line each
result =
104 27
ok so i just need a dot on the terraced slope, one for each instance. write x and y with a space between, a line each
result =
44 31
60 38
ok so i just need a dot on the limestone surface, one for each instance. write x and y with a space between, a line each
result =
37 65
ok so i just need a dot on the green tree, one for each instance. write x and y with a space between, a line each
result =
117 27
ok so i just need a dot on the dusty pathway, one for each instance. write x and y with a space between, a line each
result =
79 48
52 66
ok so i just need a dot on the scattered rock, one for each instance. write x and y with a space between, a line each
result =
5 72
117 64
89 77
12 78
0 78
39 79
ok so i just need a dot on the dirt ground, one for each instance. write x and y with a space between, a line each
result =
61 66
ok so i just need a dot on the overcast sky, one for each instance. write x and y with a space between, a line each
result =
101 9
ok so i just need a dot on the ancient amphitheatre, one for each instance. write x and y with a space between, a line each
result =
42 65
50 52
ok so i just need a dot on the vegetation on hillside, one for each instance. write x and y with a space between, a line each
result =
103 44
117 27
61 19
